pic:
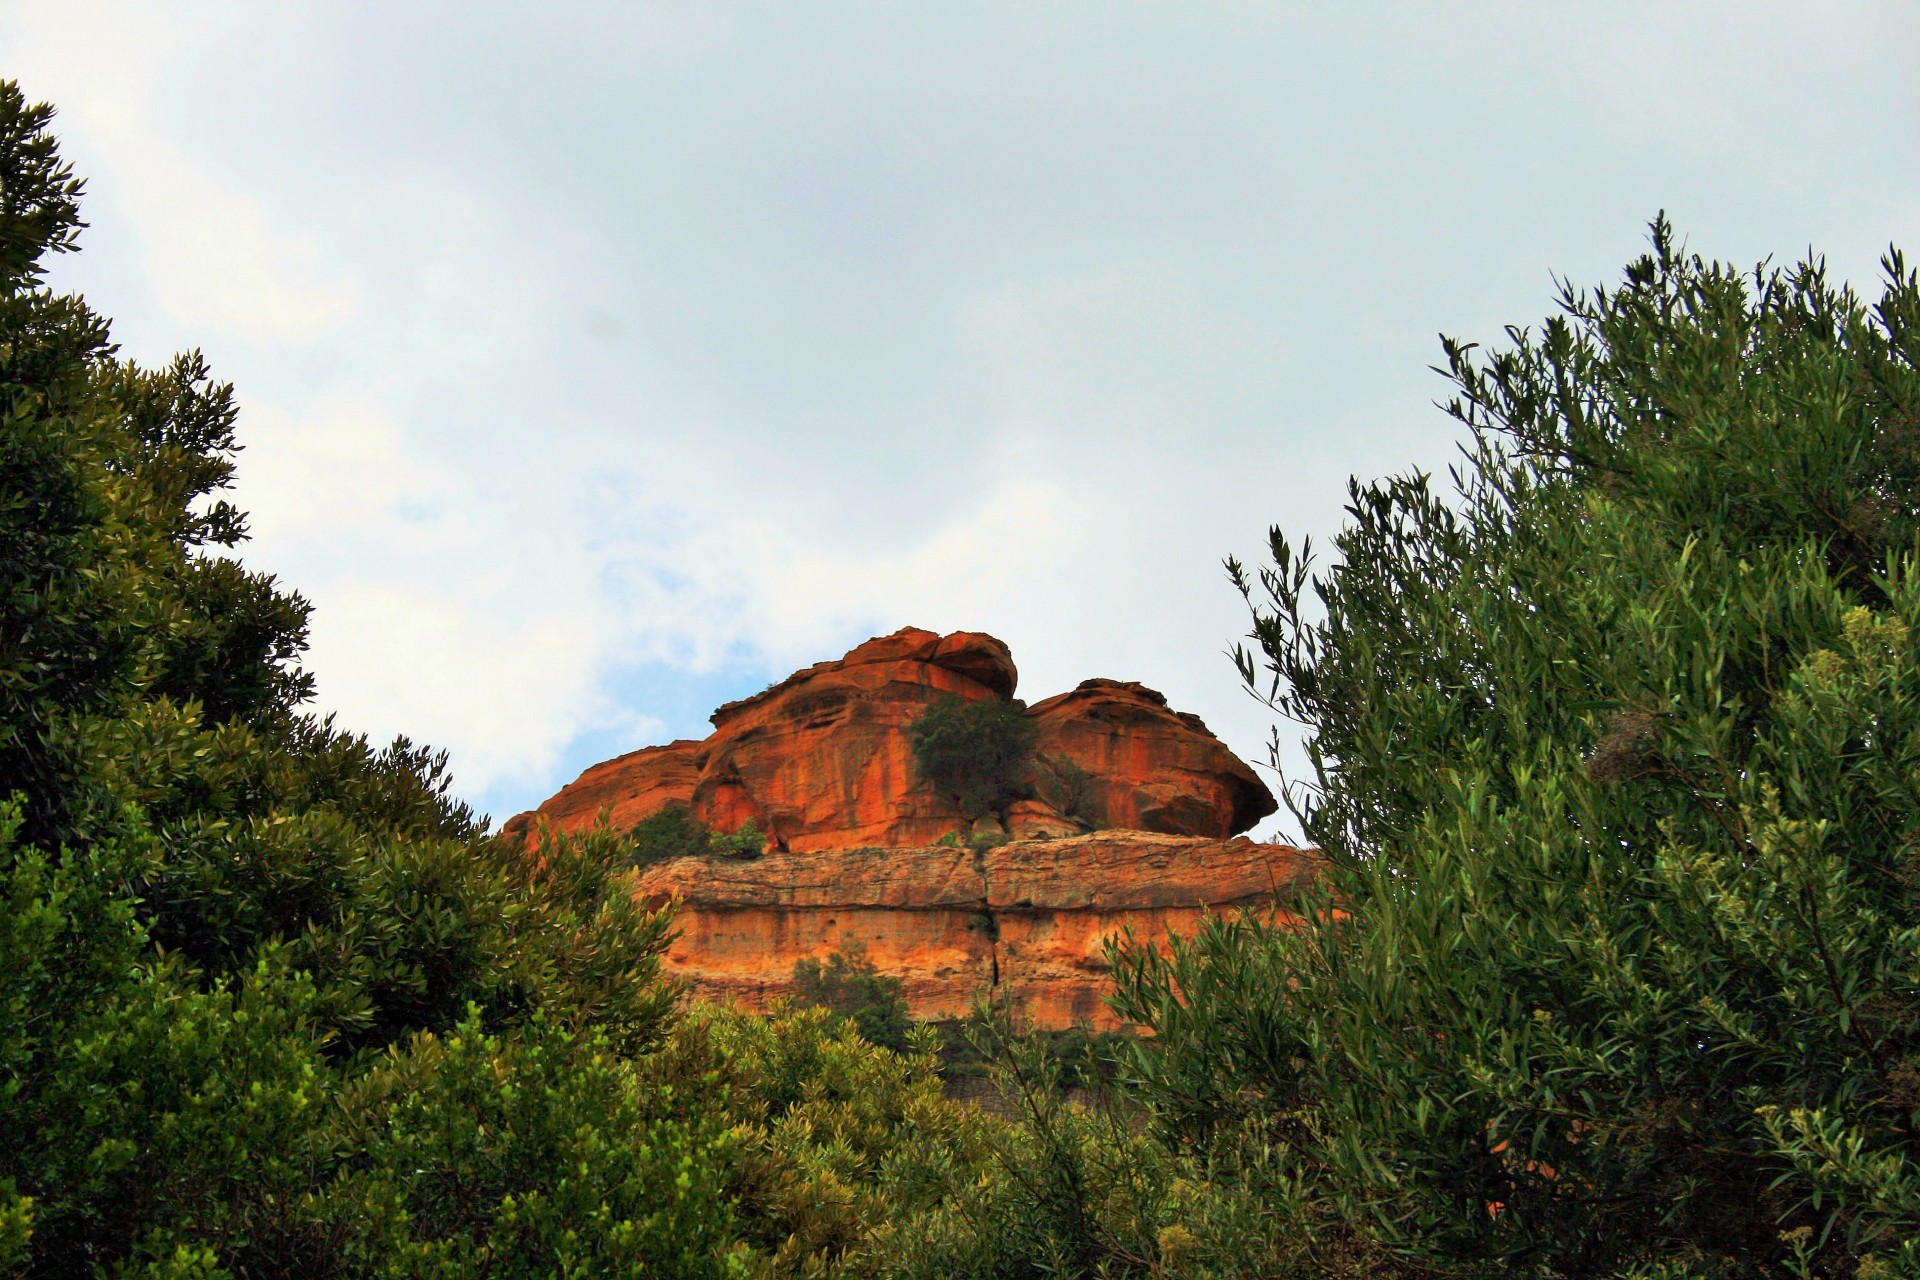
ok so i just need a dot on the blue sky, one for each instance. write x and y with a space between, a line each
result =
602 362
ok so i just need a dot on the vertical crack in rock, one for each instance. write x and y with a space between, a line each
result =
933 916
993 922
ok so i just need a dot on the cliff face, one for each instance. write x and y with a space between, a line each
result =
823 763
822 759
1028 919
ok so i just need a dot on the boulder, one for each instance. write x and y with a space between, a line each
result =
1151 768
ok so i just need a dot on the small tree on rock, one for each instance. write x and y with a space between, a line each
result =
978 752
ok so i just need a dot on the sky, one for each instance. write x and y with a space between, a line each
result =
603 362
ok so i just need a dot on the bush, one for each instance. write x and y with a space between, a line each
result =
1614 759
978 752
848 986
840 1146
674 832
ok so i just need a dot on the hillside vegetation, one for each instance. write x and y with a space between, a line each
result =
1615 753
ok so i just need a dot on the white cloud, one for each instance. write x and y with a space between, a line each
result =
217 260
712 340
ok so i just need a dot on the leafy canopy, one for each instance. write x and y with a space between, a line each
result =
847 985
978 752
1616 757
272 1002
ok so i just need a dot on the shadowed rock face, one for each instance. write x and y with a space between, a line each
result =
822 759
1028 920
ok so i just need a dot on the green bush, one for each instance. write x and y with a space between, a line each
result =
674 832
840 1146
1615 759
256 970
748 842
848 986
977 752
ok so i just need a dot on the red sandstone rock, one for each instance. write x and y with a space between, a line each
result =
1154 769
633 786
822 760
1026 920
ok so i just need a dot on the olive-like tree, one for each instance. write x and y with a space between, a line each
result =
1615 756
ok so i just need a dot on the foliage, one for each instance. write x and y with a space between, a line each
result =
468 1155
841 1146
978 752
848 986
1086 1188
981 841
257 969
748 842
1614 759
674 832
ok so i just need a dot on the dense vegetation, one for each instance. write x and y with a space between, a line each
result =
976 751
1616 971
272 1002
847 985
674 832
1616 755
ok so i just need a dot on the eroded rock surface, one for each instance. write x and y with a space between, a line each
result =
1153 768
822 759
1030 918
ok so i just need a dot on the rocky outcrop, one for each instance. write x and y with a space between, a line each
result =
1151 768
822 759
1027 921
823 763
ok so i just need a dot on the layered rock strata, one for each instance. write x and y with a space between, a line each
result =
1027 920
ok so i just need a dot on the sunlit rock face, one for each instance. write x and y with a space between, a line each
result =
822 759
1155 769
1027 921
822 762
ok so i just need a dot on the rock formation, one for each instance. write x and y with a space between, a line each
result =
821 760
1027 920
1129 827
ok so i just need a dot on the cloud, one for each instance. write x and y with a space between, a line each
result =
216 258
590 354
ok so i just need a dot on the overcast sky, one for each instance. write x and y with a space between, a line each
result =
603 362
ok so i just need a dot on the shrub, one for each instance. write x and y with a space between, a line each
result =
1614 764
671 833
848 986
674 832
748 842
840 1145
977 752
